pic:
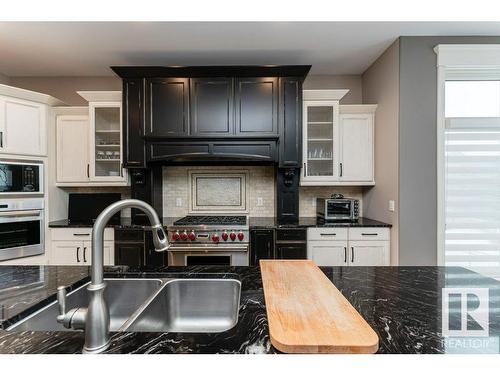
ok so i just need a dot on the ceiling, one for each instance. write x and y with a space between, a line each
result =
88 49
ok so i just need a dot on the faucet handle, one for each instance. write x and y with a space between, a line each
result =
61 300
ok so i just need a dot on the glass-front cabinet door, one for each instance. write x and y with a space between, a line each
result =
320 141
105 128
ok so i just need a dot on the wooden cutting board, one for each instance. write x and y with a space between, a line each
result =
308 314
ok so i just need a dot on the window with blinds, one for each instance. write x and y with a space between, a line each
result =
472 176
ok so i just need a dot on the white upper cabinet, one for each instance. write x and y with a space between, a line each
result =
356 144
23 121
72 149
89 146
337 140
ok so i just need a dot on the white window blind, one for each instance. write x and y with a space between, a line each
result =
472 194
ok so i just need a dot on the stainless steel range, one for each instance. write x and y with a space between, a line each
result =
209 240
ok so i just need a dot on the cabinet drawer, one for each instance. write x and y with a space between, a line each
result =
79 234
327 234
369 234
291 234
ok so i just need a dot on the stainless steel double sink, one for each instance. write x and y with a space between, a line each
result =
154 305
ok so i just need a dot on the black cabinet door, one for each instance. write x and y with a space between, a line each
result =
291 251
129 254
256 102
134 155
287 195
167 103
211 103
152 257
261 245
290 114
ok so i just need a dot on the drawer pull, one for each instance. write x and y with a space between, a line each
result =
345 254
369 234
81 234
77 255
328 234
84 257
352 254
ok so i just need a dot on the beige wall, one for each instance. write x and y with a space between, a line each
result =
351 82
381 86
64 88
4 79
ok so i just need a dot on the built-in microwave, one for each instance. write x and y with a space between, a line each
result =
20 178
334 209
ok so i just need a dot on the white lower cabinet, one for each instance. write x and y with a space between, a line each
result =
324 249
327 253
72 247
369 253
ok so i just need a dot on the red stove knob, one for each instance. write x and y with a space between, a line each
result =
241 236
215 237
232 236
175 236
191 236
184 236
224 236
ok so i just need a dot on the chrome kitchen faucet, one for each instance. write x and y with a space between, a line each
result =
94 319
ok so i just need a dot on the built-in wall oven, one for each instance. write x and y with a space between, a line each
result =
22 227
20 178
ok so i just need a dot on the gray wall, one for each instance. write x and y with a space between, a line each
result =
381 87
351 82
417 146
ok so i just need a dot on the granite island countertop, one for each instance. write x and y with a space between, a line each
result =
402 304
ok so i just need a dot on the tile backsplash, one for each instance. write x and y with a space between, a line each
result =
260 184
308 195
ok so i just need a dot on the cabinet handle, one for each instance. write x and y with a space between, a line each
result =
328 234
81 234
77 254
345 254
369 234
1 139
305 169
352 254
84 257
341 170
88 170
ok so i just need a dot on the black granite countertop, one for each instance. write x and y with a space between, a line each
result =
125 222
308 222
402 304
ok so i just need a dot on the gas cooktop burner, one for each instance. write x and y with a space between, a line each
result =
212 220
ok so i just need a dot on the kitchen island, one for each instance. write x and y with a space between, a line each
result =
402 305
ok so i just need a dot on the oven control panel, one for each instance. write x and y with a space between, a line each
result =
215 235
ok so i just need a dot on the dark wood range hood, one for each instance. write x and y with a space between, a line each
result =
177 115
213 115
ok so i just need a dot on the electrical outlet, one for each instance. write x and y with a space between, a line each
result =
392 205
178 202
260 201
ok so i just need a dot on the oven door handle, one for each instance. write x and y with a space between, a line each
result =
34 213
203 249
